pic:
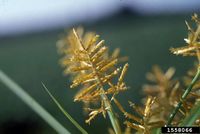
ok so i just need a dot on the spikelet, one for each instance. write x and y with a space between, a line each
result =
143 121
193 41
166 89
168 93
86 58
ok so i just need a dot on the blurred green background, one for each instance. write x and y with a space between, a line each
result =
32 59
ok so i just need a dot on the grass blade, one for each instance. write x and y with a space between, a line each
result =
194 114
33 104
64 112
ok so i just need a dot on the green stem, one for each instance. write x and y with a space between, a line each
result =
113 119
33 104
183 97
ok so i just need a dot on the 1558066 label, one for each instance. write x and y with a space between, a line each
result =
186 130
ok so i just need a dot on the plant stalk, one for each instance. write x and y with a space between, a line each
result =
113 119
183 97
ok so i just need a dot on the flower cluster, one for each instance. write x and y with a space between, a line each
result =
192 41
143 120
86 58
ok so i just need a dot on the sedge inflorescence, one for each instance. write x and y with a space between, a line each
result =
85 57
143 120
192 41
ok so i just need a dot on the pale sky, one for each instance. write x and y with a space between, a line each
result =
21 16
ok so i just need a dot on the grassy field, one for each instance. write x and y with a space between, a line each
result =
32 59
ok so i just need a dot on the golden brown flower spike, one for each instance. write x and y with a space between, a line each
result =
167 91
161 83
97 69
94 70
145 120
193 44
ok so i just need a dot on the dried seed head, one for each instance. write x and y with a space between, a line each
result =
165 88
193 41
87 60
143 121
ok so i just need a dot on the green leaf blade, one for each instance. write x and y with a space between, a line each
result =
67 115
32 103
